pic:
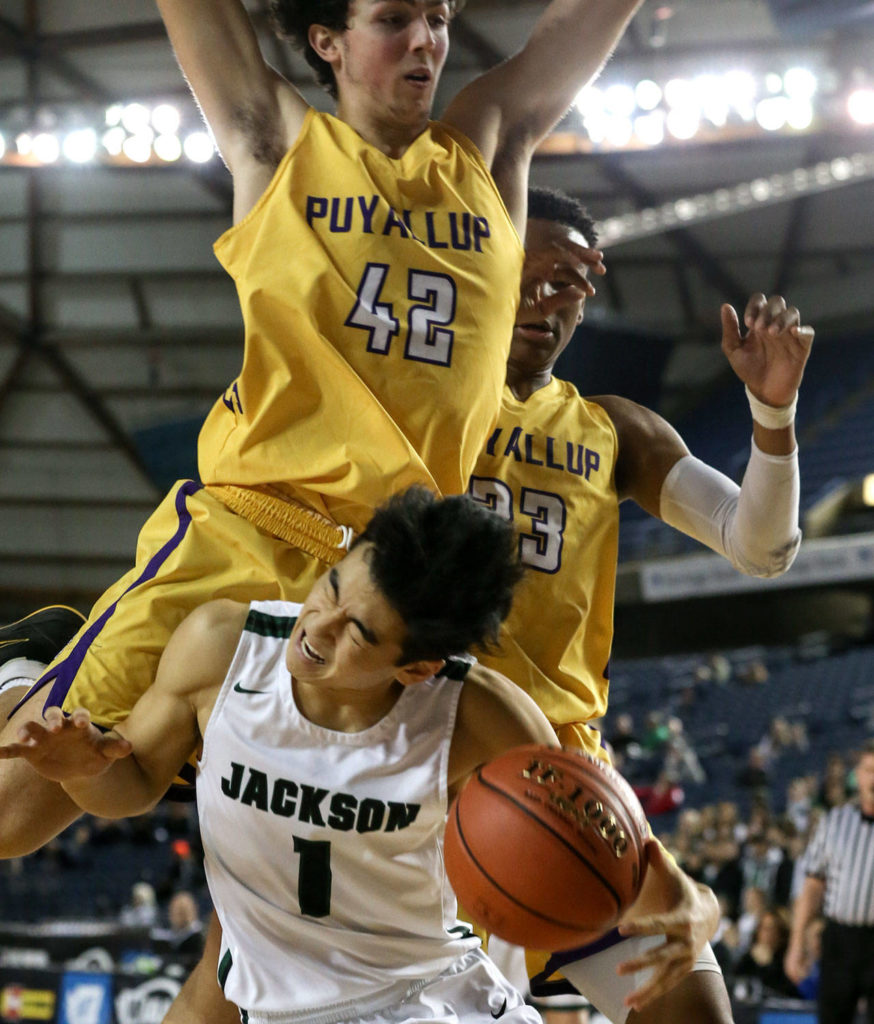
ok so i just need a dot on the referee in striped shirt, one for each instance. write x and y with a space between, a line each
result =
839 883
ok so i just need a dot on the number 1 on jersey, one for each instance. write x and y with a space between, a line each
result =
313 876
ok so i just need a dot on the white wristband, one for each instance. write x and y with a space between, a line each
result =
771 417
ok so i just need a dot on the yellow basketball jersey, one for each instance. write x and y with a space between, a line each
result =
549 467
378 297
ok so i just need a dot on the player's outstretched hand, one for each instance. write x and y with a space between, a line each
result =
683 911
770 357
61 748
566 266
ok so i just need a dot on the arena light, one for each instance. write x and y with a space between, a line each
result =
2 147
168 148
800 83
46 148
746 195
868 490
741 90
589 101
615 116
135 118
684 209
166 119
712 99
619 100
619 131
799 113
683 123
138 148
80 146
860 106
760 190
841 169
648 94
773 83
113 140
595 124
199 148
650 128
680 92
772 113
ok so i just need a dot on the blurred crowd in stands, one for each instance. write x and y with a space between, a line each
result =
747 848
141 873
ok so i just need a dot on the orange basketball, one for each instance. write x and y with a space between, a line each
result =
545 847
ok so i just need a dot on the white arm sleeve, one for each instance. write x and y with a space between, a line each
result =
754 526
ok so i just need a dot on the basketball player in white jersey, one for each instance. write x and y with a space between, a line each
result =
332 740
331 745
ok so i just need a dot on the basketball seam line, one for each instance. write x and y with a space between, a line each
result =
557 835
501 889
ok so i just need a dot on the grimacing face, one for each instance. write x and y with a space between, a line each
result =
347 635
539 338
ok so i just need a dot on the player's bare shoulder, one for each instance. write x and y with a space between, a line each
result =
494 715
488 691
648 448
634 423
201 649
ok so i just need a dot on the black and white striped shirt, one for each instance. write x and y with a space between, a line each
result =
841 854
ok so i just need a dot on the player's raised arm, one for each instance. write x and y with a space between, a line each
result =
253 112
508 110
755 526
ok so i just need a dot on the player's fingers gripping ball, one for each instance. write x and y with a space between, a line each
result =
545 847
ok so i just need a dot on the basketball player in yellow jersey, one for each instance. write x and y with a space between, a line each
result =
376 258
558 465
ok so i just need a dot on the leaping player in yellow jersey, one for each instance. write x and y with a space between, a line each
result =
559 465
376 257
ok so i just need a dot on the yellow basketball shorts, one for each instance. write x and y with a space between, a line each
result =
191 550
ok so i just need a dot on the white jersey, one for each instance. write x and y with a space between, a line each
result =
323 849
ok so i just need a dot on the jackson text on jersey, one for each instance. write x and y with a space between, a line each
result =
315 805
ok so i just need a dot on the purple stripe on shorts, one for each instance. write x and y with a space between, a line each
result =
63 674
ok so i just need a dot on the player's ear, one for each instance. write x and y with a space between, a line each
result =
418 671
325 42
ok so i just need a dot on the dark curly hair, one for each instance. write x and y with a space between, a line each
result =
447 566
292 19
550 204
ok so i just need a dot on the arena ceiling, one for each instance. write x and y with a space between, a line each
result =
115 317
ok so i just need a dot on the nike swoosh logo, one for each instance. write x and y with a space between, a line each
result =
502 1010
239 688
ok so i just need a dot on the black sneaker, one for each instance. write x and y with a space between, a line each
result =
40 635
